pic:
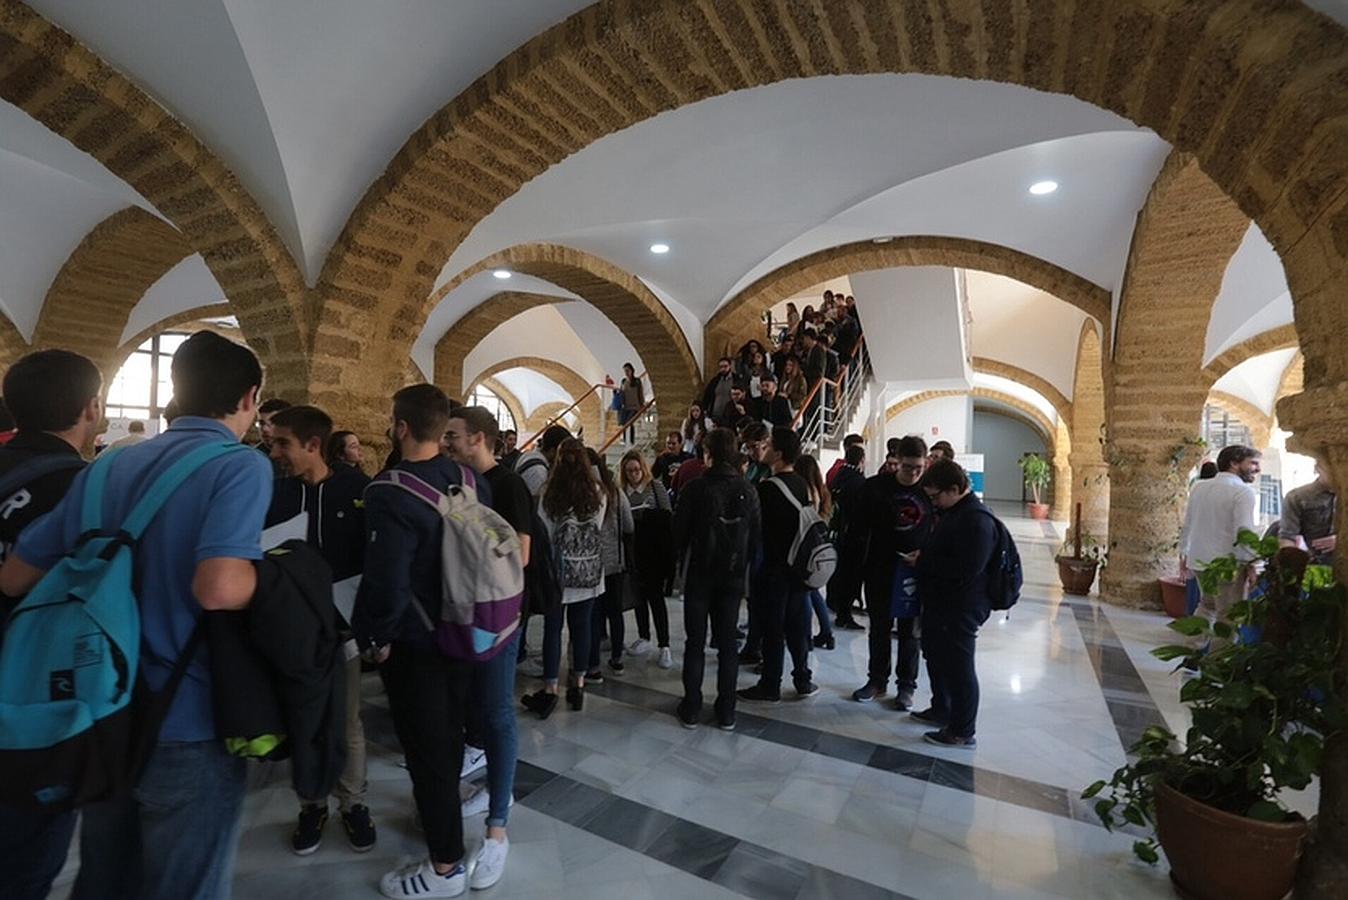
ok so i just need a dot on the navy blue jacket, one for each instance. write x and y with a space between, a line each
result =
953 568
402 557
336 516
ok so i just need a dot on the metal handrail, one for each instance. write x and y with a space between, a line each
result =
621 428
561 415
818 385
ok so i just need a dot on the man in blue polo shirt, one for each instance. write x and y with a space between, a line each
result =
175 837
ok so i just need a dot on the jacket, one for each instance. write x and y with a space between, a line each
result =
952 572
718 488
36 498
336 516
277 667
777 412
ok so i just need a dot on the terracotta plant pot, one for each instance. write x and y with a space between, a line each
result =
1215 855
1038 510
1076 575
1174 596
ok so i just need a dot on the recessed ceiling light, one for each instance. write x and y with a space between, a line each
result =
1040 188
659 248
501 274
881 240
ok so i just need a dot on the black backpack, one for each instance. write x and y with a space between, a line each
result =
542 586
1005 576
725 539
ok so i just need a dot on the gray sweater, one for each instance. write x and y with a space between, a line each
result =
617 526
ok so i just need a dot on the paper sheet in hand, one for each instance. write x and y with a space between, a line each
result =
291 529
344 595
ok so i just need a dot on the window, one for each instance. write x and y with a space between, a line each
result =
487 398
142 387
1221 429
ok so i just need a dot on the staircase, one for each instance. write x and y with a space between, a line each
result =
838 403
647 428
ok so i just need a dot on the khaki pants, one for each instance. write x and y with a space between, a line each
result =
350 789
1216 606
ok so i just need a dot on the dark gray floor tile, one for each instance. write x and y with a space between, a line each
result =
750 725
790 735
964 778
845 748
566 800
823 884
902 762
759 872
1034 795
529 778
693 848
626 823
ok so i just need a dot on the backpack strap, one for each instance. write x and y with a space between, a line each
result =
163 487
31 470
91 509
425 492
786 492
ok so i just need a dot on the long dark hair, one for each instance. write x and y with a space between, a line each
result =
337 447
572 488
807 467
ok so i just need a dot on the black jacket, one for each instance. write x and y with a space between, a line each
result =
336 516
277 667
721 487
24 505
952 571
777 412
780 518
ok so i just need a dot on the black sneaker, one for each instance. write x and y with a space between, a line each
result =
616 666
867 692
808 689
725 721
929 716
359 828
824 642
594 677
849 625
944 738
308 832
759 694
686 718
749 658
904 701
540 703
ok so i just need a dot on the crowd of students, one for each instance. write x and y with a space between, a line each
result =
720 511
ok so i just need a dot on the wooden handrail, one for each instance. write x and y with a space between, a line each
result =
818 385
561 415
621 428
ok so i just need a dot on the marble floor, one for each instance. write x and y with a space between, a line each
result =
817 798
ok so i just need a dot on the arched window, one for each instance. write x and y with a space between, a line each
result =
1221 429
486 397
142 387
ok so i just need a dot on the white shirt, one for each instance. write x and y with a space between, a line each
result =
1218 508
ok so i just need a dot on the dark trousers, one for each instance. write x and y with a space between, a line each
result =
577 618
948 640
651 605
427 696
753 638
33 848
783 614
844 589
881 635
720 603
609 610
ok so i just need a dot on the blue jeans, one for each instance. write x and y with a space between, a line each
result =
578 620
491 723
33 848
175 837
821 613
1193 595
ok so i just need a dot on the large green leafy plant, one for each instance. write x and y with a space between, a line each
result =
1264 698
1037 472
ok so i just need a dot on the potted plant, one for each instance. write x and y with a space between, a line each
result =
1077 571
1264 699
1038 473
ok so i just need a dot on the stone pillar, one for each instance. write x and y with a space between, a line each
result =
1090 475
1062 473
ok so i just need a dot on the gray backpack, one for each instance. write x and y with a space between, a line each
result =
577 544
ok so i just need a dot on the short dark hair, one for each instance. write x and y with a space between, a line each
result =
212 373
892 446
1234 456
855 455
553 438
272 404
171 411
674 434
721 445
787 443
306 423
944 475
754 431
49 389
1207 470
853 439
910 447
944 448
479 420
509 432
425 409
337 446
725 359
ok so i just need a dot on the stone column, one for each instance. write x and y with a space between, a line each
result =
1090 474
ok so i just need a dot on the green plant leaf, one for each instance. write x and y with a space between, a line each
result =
1190 626
1092 790
1266 811
1133 816
1171 651
1146 851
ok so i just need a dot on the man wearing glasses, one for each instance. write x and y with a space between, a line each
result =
894 522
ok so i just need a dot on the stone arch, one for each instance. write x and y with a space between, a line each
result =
1024 376
739 316
174 321
1026 412
1280 338
511 402
460 338
1292 380
89 302
1259 422
591 407
624 300
67 88
12 344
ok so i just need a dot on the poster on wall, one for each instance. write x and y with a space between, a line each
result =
973 464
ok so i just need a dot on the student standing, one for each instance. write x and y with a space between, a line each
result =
651 512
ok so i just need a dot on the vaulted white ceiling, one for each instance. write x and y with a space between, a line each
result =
1256 380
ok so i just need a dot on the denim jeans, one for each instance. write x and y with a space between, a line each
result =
720 603
33 848
949 640
882 634
491 726
577 617
608 609
174 838
784 615
821 612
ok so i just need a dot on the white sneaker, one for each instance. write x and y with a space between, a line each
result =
639 646
489 863
473 759
420 880
666 659
476 801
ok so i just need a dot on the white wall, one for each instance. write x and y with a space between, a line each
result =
1026 327
941 419
540 331
1002 441
913 326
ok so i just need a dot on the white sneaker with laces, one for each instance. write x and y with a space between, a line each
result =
420 880
666 659
489 863
476 801
639 647
473 759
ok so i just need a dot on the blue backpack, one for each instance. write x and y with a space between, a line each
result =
77 723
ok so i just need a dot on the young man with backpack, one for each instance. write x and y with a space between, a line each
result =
331 499
957 581
716 526
783 610
174 837
54 399
400 599
533 465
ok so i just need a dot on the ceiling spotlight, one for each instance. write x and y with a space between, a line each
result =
1039 188
659 248
502 274
882 240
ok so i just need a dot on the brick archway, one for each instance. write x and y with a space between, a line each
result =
67 88
1280 338
460 338
1024 411
1037 383
737 319
568 379
511 402
1252 417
